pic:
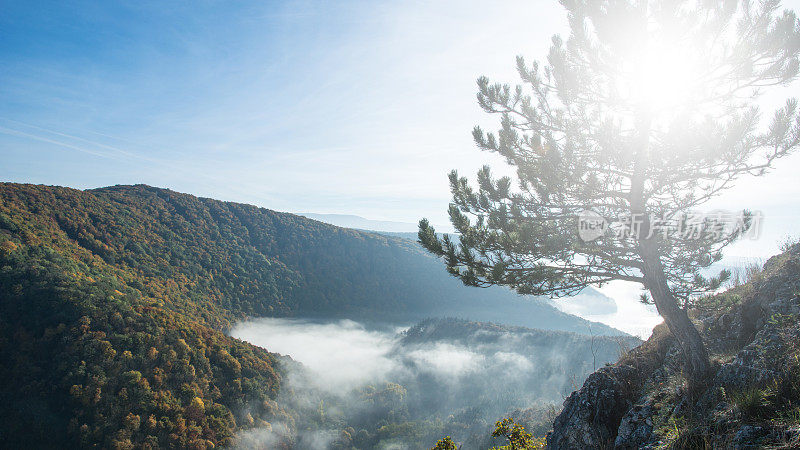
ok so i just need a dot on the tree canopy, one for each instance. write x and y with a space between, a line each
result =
647 110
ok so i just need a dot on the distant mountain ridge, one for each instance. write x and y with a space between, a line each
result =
361 223
589 301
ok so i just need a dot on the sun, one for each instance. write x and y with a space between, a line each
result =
664 77
662 73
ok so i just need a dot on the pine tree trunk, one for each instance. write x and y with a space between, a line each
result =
675 317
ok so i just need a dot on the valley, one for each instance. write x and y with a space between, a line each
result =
123 307
357 385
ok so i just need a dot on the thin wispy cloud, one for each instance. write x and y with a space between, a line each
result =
40 138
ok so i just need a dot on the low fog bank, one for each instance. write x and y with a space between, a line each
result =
340 354
357 386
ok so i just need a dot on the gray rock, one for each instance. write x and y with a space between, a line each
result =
636 429
591 415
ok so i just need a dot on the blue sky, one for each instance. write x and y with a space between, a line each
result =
328 107
347 107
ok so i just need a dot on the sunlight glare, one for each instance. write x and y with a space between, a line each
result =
663 76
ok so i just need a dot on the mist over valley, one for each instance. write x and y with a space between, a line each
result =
404 387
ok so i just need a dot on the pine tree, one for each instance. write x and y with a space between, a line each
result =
643 114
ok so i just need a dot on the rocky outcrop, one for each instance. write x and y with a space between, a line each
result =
636 428
592 415
643 402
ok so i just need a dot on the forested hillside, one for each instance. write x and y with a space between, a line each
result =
107 339
223 260
114 305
